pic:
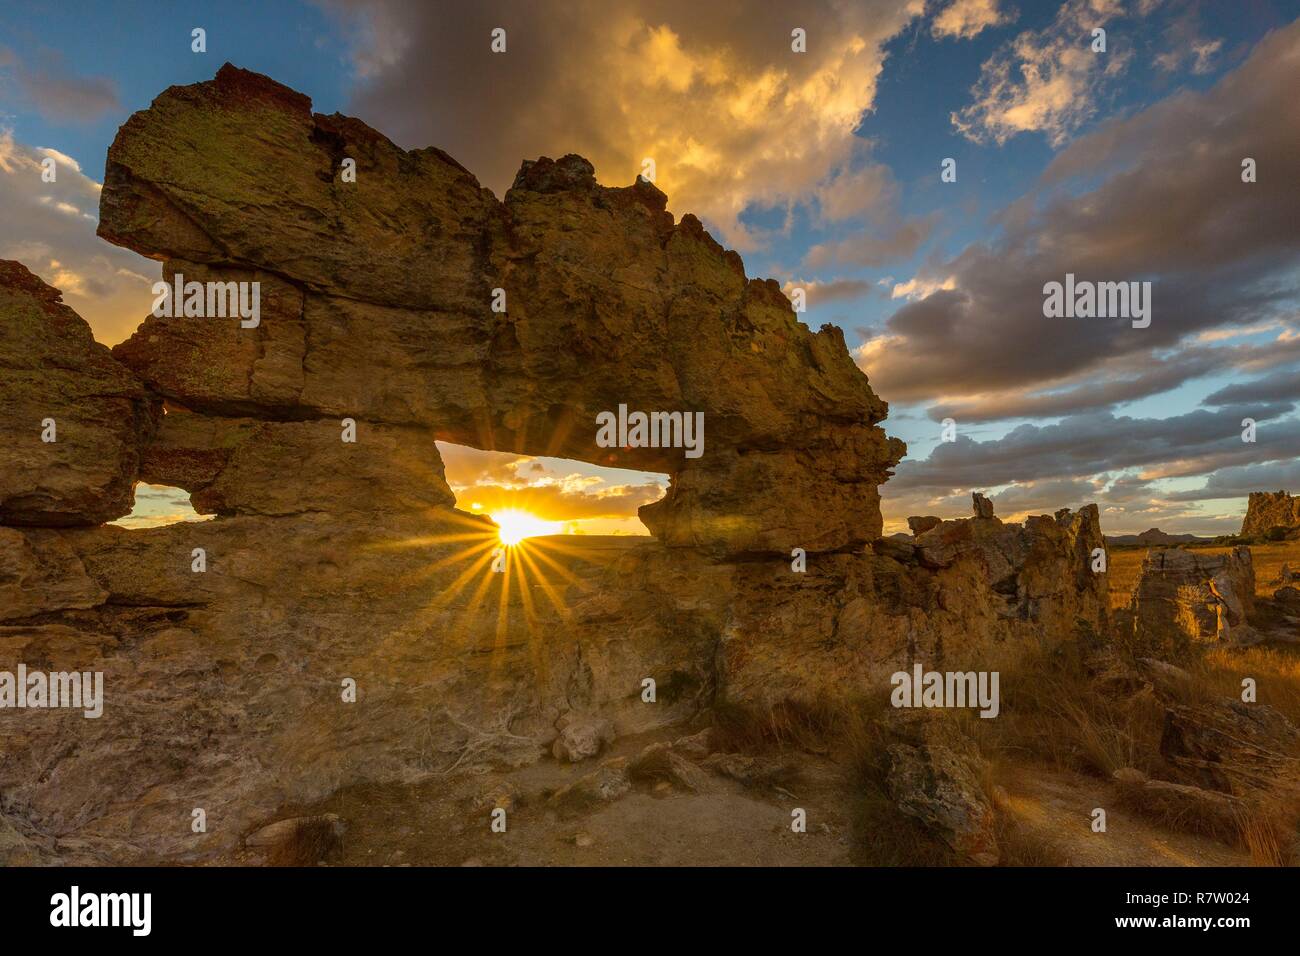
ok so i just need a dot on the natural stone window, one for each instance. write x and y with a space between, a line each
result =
158 505
550 496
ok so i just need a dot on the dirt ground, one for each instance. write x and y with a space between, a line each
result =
446 821
1056 807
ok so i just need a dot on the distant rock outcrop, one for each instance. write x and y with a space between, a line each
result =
1187 597
1269 510
1153 538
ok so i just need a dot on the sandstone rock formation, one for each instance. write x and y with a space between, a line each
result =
920 524
1233 747
73 418
1267 510
334 565
853 620
377 305
1033 566
1187 597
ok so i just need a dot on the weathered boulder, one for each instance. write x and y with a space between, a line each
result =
661 763
1166 678
1234 747
581 736
378 304
1187 597
57 382
1269 510
920 524
606 783
983 506
941 787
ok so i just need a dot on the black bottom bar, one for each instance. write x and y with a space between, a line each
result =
212 905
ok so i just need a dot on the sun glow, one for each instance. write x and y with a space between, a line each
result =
516 525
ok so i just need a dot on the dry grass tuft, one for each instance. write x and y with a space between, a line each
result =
1276 671
1271 834
1066 706
789 725
1056 710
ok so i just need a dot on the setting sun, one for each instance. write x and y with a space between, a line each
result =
517 525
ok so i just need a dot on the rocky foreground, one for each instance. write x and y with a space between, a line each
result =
339 624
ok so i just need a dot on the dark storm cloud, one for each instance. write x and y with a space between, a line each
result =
1127 378
1171 208
1240 480
1279 387
1198 442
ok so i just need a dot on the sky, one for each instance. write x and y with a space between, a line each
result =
823 169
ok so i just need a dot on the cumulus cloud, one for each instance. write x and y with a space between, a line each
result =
711 92
53 89
964 19
835 290
1046 80
50 228
870 248
1157 196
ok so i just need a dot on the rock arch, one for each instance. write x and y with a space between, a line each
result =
376 304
